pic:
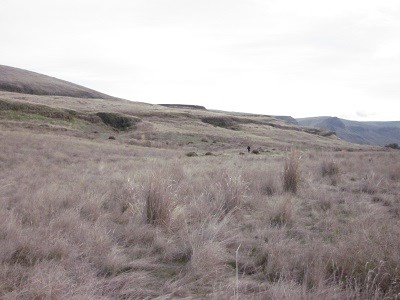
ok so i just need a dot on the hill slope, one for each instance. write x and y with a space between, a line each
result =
367 133
27 82
155 126
49 104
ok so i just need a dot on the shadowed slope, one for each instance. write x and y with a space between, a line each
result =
27 82
367 133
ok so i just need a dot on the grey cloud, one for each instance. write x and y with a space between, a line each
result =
161 49
364 114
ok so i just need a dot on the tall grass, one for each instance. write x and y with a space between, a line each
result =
291 172
159 201
83 221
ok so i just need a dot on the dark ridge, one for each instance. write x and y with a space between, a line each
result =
234 123
22 81
287 119
334 123
310 130
114 120
184 106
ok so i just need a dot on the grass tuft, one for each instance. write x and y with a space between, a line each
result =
159 203
291 173
282 213
235 189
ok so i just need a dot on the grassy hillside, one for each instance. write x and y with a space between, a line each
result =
111 199
27 82
369 133
163 127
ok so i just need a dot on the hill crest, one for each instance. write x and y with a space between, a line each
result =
27 82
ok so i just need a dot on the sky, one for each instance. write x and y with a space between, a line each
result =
276 57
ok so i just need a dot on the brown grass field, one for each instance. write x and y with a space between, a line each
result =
83 216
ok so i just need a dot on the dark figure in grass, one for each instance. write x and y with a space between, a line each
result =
248 149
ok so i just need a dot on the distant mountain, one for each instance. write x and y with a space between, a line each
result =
367 133
27 82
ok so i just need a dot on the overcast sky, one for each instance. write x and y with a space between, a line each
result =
280 57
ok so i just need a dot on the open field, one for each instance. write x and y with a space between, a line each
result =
83 216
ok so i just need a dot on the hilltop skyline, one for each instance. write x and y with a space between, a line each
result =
278 58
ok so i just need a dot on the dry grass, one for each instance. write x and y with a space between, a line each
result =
291 172
159 200
79 221
88 218
171 128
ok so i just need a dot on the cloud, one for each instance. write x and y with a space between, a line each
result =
364 114
302 58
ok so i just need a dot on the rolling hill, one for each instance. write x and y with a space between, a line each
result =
45 104
27 82
367 133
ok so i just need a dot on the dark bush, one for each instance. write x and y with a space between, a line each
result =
393 146
329 168
224 122
117 121
191 154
